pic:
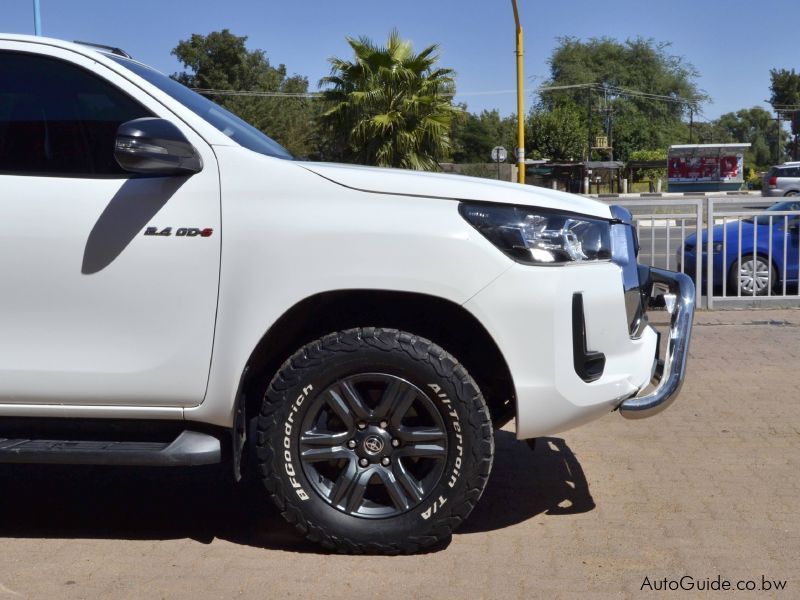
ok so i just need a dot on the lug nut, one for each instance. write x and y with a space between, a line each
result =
395 443
363 462
351 444
362 425
385 461
384 424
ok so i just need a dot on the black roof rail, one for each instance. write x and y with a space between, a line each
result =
112 49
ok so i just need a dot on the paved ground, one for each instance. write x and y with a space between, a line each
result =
708 488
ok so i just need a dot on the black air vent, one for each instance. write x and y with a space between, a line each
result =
589 365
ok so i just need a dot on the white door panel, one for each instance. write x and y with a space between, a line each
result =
92 310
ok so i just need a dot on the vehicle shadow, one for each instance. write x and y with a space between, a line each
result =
525 483
203 503
136 202
139 503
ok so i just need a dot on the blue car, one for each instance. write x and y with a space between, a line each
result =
755 273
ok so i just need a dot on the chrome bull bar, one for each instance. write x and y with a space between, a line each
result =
676 293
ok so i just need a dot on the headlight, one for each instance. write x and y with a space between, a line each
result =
540 237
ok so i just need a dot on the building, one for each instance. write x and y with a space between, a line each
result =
706 167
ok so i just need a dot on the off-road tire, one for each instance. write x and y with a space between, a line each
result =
305 381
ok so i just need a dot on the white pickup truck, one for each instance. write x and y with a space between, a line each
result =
175 289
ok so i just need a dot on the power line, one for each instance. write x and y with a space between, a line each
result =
547 88
256 93
618 91
268 94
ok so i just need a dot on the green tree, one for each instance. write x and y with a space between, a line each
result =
388 106
221 61
785 98
637 86
756 126
650 155
474 136
709 132
784 88
557 134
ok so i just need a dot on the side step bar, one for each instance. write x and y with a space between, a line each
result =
190 448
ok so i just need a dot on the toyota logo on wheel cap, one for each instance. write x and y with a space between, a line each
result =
373 444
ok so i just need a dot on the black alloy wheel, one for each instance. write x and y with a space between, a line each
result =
373 445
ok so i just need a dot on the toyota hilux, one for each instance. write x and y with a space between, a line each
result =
177 289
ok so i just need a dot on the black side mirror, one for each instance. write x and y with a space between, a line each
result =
151 146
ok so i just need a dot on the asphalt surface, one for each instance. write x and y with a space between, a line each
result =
659 243
708 488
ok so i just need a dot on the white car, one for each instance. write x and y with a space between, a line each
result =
177 290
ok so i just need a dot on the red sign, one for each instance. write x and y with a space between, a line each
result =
704 168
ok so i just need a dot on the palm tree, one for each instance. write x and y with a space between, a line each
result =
388 106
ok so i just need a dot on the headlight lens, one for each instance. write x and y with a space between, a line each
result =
540 237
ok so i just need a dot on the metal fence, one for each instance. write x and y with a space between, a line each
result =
663 228
751 258
753 253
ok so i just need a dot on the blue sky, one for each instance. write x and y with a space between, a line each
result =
733 44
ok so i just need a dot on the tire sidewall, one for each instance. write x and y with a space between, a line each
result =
447 396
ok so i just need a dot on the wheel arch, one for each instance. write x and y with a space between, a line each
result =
444 322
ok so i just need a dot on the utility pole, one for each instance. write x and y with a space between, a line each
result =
589 112
37 18
520 100
608 122
610 138
691 122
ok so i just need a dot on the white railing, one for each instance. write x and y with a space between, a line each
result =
764 265
760 255
662 228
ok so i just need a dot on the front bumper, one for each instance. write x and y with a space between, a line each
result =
531 313
676 292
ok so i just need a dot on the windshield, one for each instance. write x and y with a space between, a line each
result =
781 206
789 205
235 128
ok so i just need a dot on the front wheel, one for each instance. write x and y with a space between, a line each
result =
753 277
374 440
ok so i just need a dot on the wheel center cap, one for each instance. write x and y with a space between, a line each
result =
373 445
